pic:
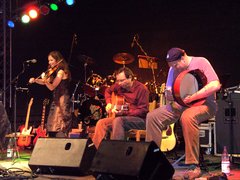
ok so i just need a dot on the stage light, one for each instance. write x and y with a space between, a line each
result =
33 13
44 10
70 2
54 6
10 24
25 19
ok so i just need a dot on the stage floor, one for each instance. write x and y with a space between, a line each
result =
18 168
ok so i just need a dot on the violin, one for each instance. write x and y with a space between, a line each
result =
49 72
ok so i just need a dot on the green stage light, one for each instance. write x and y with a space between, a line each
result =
54 7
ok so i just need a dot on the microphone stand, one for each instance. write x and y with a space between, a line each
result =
150 62
73 96
15 82
85 72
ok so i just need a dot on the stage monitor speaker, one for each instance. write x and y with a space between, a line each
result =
62 156
228 124
129 160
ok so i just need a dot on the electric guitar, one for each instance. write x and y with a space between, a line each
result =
41 131
168 136
24 137
119 104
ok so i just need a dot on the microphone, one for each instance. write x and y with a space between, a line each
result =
133 41
33 61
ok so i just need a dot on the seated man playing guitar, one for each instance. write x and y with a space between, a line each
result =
127 105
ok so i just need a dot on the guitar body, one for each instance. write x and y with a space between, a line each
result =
168 139
118 103
168 136
24 137
41 131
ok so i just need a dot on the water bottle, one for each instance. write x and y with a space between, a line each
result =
225 163
10 148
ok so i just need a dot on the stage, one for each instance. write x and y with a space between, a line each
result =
18 168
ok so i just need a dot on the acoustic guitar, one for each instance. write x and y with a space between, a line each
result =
119 104
25 137
41 131
168 136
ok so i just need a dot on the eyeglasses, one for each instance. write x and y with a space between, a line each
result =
120 80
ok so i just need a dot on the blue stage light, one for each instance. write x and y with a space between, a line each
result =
10 23
70 2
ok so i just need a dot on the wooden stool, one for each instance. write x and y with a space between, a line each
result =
137 134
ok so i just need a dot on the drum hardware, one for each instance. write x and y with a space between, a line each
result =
109 80
73 96
91 111
123 58
87 61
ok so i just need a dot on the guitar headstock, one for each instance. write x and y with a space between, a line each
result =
45 102
30 102
162 88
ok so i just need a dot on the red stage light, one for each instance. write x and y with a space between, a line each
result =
33 12
44 9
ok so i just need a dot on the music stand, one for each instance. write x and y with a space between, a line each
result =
147 62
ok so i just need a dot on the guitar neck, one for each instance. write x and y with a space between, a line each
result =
43 117
28 113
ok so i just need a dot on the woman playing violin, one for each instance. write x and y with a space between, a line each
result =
57 79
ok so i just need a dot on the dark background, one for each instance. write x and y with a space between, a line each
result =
105 28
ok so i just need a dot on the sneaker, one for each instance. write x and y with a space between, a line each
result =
193 172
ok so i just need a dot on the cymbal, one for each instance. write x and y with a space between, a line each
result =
123 58
85 59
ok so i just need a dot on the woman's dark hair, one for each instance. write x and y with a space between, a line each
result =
63 64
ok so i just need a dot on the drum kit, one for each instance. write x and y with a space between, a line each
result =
88 98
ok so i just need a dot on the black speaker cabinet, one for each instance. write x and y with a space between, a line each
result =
131 160
228 124
62 156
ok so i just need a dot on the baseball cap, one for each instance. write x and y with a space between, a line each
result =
174 54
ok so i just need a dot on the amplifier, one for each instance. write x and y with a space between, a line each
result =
228 124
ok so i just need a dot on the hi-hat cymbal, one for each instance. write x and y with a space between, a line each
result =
85 59
123 58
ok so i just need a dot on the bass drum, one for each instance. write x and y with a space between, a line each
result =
91 111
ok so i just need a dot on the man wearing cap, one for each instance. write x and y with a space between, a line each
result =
190 117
